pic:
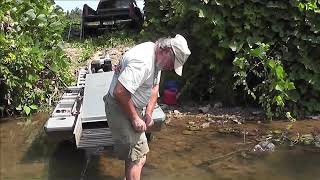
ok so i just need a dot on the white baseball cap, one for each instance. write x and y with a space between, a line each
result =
181 51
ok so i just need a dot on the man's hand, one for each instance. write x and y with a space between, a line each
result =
139 125
148 120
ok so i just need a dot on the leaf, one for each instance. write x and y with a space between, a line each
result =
55 24
279 72
42 18
279 88
31 77
201 14
217 3
31 14
206 1
19 108
279 101
28 85
272 63
34 107
26 109
290 86
235 46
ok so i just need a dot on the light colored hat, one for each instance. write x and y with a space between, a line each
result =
181 51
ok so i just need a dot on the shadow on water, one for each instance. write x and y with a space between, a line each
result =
63 160
67 163
38 151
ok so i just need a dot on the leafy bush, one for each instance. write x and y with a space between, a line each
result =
32 63
269 49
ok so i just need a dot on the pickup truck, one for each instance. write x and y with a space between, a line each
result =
110 14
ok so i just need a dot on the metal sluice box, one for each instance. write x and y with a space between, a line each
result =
86 121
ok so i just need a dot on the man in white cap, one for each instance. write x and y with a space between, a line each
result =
135 85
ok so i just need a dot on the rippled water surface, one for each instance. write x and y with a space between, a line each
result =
26 154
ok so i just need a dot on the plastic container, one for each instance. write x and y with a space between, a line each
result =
170 96
171 84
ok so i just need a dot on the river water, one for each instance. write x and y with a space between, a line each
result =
26 154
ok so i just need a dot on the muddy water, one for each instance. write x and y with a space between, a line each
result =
26 154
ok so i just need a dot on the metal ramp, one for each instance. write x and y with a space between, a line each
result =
63 118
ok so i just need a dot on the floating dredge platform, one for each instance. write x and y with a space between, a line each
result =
80 114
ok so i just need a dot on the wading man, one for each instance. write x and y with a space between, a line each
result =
135 85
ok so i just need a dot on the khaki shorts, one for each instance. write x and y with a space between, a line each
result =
129 144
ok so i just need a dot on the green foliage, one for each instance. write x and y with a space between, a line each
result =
273 85
32 63
269 49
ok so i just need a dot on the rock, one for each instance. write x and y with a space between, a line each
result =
236 121
317 140
204 109
193 128
205 125
307 139
314 117
176 112
167 121
252 133
219 122
217 105
187 132
251 118
257 113
210 120
264 146
163 106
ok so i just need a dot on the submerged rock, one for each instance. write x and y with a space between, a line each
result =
205 109
264 146
193 128
307 139
205 125
317 117
217 105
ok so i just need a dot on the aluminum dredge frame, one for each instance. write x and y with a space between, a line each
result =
79 116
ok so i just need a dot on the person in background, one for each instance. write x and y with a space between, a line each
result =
135 85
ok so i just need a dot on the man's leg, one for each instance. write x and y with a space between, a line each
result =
133 168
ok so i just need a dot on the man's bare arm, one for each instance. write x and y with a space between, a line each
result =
123 96
153 100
